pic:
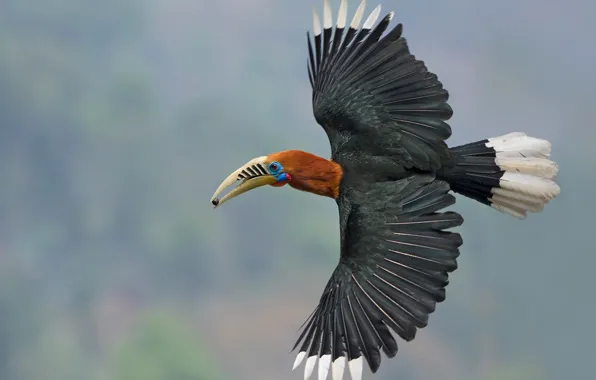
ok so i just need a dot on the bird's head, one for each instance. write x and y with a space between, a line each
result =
301 170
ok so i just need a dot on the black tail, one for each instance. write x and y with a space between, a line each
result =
511 173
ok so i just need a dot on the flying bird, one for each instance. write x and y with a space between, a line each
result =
392 175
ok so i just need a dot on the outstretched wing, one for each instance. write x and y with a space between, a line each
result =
393 270
372 96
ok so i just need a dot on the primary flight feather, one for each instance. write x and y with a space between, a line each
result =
391 174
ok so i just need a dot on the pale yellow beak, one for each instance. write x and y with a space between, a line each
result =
253 174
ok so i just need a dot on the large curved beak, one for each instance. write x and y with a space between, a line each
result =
253 174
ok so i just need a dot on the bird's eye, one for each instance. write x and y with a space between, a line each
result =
274 167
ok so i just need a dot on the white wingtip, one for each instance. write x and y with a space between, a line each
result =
299 359
327 18
310 365
342 14
339 365
356 368
370 21
324 364
358 15
316 23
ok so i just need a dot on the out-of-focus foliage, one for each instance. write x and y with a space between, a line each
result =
119 118
163 347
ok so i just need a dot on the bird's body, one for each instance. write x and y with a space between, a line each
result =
390 173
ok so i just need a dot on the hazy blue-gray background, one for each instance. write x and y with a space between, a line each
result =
119 118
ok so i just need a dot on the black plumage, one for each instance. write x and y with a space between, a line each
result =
373 98
473 171
385 116
391 174
393 268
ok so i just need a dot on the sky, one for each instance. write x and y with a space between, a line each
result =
117 123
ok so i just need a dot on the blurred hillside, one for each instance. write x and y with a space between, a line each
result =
118 120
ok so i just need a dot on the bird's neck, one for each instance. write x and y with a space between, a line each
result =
314 174
318 176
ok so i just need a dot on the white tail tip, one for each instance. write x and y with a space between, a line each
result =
528 181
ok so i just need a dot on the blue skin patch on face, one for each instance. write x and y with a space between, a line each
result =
276 170
281 177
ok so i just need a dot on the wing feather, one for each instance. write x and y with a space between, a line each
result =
370 82
396 256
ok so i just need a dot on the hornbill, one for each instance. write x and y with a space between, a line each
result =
391 174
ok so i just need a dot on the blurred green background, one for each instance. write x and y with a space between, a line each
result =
118 119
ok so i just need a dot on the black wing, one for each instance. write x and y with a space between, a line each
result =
372 96
393 270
